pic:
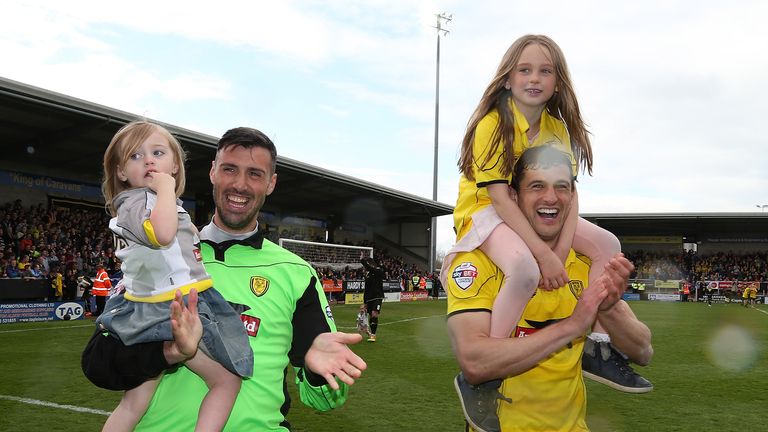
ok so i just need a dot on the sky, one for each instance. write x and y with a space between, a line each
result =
673 92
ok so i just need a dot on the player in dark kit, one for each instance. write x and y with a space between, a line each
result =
374 294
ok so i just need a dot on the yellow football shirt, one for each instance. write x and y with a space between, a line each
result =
473 195
550 396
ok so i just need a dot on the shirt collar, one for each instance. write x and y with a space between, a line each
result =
211 233
520 121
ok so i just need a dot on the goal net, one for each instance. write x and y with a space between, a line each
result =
322 255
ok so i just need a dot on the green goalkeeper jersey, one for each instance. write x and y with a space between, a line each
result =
286 309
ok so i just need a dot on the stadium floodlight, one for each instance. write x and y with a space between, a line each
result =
761 206
443 17
322 255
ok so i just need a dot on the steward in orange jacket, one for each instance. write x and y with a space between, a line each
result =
101 286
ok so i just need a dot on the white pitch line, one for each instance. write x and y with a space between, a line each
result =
760 310
396 322
45 328
54 405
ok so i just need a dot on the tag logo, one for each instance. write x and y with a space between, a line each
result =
328 313
464 275
251 324
68 311
577 287
198 255
259 285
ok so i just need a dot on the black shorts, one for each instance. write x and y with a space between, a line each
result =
111 365
373 305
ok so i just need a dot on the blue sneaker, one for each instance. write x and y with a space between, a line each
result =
601 362
479 403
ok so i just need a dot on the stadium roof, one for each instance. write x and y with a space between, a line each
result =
693 226
68 137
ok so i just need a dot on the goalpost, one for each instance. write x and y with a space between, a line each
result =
335 256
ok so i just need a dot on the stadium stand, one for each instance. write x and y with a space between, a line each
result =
725 266
72 241
54 145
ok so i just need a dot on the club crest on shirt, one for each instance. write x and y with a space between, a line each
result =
577 287
259 285
464 275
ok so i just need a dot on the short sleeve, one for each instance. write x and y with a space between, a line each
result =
472 283
132 215
488 170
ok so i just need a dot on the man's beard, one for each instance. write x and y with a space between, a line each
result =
240 221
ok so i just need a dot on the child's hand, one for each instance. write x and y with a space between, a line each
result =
553 274
161 181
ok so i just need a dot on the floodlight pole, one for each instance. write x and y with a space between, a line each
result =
762 207
433 230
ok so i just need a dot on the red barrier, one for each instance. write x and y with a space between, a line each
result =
330 286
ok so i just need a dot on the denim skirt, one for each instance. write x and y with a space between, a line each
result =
224 338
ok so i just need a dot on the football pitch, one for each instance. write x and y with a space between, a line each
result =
709 372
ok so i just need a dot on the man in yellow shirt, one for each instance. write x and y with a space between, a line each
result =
745 296
753 295
540 363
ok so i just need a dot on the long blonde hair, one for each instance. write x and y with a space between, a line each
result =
123 144
562 105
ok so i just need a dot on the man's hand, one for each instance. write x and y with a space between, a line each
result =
615 277
586 309
186 327
330 357
628 334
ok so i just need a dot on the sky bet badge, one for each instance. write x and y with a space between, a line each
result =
259 285
464 275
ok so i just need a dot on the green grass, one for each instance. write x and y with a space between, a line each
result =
408 384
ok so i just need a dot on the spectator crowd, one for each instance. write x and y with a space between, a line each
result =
410 276
55 243
721 266
62 244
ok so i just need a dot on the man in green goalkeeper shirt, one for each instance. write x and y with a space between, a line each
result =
284 310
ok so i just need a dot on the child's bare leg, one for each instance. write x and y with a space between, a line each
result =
600 245
223 387
521 276
132 407
186 327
